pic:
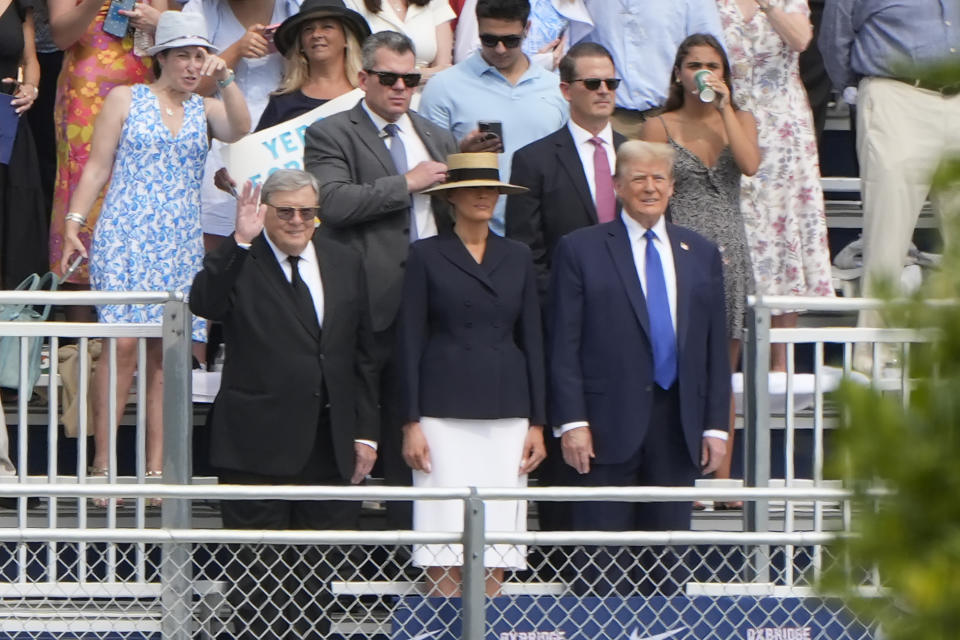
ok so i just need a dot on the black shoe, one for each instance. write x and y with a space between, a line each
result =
12 503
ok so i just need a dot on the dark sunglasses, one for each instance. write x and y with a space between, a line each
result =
307 214
491 40
592 84
389 78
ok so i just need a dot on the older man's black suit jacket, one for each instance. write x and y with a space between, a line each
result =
266 415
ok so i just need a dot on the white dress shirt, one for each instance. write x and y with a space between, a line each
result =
309 270
638 245
586 149
416 153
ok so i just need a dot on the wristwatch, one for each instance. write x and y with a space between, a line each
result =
226 81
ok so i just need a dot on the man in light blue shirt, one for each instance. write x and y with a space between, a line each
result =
497 83
907 124
643 36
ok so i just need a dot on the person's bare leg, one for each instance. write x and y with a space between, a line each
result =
443 581
154 443
493 583
778 352
126 365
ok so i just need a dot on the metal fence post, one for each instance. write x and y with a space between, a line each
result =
474 574
176 572
757 430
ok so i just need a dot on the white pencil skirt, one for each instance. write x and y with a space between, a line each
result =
472 453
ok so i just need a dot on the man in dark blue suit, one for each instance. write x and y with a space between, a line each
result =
639 372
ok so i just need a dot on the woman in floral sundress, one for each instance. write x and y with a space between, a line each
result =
783 203
150 143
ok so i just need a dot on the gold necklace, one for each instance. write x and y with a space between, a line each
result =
168 109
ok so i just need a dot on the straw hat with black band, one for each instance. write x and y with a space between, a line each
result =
175 29
288 33
474 170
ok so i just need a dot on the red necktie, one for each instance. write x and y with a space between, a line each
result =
603 183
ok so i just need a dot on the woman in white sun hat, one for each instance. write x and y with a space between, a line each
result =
150 142
470 353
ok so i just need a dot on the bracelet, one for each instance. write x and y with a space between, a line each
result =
226 81
75 217
765 7
36 89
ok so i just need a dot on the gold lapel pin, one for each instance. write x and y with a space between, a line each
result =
684 246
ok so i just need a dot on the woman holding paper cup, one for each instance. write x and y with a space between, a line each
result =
716 143
783 203
150 143
23 242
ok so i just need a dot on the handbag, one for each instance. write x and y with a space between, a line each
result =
10 345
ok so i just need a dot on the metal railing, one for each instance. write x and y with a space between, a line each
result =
760 419
200 577
112 573
174 333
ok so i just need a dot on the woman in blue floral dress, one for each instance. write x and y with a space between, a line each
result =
153 140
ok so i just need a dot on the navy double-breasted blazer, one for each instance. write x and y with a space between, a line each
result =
469 341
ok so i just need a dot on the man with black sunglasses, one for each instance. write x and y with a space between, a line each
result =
497 83
373 162
565 189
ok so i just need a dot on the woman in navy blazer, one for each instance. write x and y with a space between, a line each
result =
470 351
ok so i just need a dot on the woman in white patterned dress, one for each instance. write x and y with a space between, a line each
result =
153 140
783 203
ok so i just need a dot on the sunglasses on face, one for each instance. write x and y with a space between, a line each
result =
307 214
389 78
491 40
592 84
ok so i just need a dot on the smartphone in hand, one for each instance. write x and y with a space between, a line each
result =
116 24
491 129
268 33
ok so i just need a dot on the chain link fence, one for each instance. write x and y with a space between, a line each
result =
216 583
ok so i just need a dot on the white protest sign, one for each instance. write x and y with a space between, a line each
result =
280 147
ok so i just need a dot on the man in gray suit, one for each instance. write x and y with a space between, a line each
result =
372 163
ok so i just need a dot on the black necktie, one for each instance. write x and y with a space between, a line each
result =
301 294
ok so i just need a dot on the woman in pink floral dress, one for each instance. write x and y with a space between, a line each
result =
783 203
95 62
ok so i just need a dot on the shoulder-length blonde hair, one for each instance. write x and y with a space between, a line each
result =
296 68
